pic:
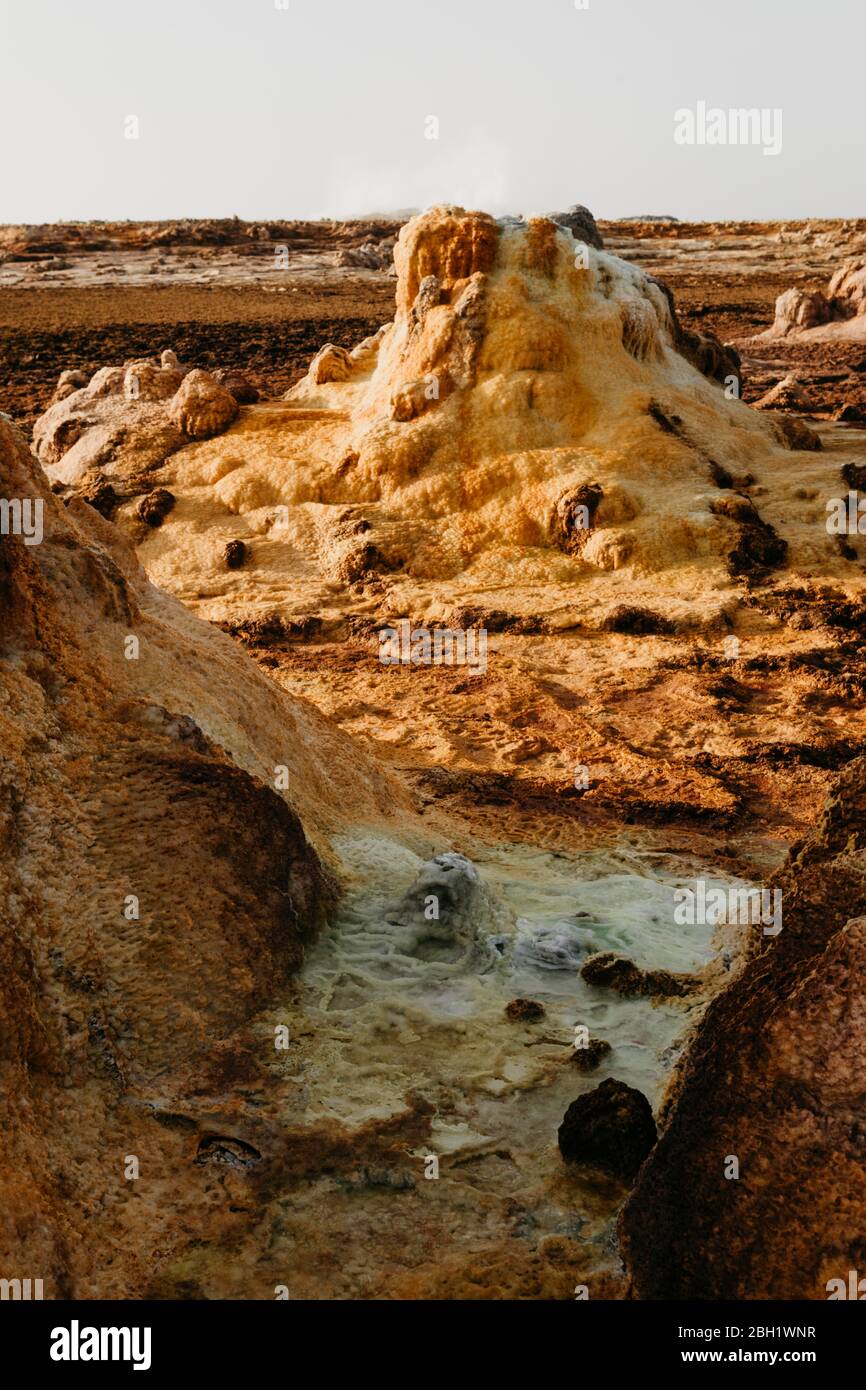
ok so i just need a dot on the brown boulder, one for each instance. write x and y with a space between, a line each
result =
611 1128
235 554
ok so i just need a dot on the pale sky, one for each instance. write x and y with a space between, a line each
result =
320 109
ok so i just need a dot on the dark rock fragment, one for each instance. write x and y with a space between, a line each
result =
611 1128
155 507
611 971
235 554
524 1010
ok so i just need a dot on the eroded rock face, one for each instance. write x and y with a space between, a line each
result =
707 353
447 242
801 309
773 1081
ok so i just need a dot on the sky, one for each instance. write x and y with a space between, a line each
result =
327 108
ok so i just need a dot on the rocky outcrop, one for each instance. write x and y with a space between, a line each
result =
488 349
787 394
707 353
838 312
797 309
370 255
757 1188
581 223
126 421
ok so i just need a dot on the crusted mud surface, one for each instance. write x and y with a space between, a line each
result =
541 447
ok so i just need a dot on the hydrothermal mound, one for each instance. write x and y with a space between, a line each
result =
528 423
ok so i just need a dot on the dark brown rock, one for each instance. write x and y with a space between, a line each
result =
609 971
851 415
524 1010
235 554
102 497
590 1058
581 223
155 507
759 547
237 385
611 1128
794 433
708 354
641 621
573 517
